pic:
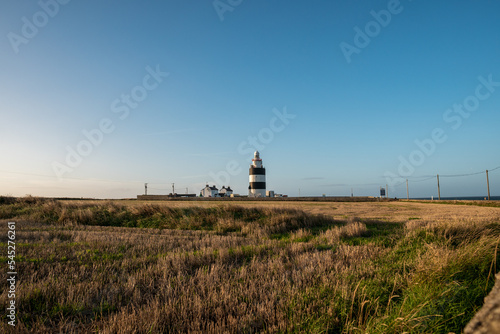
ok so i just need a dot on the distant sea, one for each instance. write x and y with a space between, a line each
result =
472 198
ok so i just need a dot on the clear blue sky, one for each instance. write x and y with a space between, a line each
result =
359 100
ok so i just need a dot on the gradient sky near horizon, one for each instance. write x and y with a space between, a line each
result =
230 71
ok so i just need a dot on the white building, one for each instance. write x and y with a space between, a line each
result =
226 192
209 191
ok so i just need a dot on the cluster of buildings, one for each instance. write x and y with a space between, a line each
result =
214 192
256 186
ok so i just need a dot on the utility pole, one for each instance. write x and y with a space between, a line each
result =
352 194
173 188
488 182
386 191
186 190
299 192
407 192
439 189
145 188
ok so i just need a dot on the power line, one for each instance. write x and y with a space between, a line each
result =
462 175
451 175
426 179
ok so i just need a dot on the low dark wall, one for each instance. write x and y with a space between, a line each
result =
264 199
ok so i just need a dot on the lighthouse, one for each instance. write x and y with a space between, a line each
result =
257 177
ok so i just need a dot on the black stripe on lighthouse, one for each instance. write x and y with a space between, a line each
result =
257 171
257 185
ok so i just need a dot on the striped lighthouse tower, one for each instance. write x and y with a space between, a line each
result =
257 177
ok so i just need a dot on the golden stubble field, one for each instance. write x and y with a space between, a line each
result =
250 267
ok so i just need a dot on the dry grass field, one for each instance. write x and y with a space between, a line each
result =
248 267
